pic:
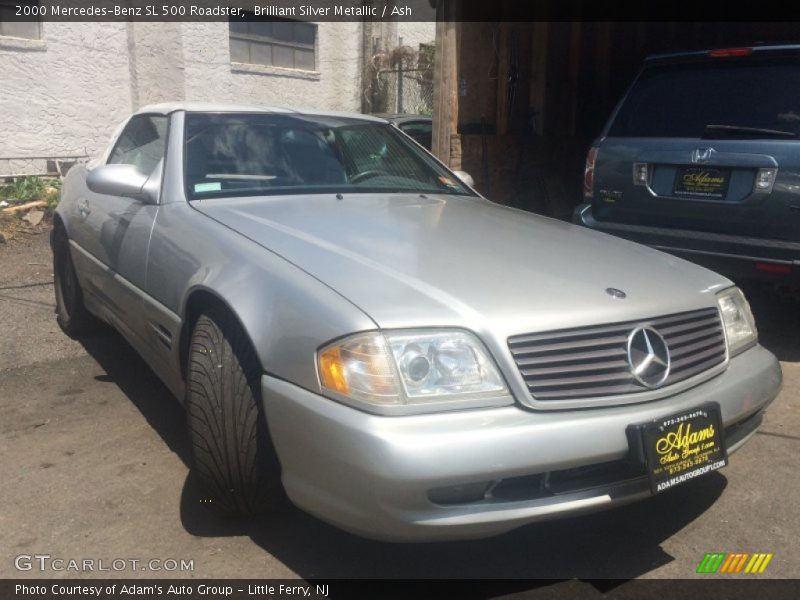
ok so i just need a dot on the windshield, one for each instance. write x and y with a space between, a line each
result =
753 98
237 154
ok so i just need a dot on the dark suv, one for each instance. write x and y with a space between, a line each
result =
701 158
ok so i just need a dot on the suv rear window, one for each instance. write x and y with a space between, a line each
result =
682 100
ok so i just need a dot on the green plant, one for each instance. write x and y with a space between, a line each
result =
26 189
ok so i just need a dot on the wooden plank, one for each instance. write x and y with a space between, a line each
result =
18 207
538 89
574 72
445 83
503 53
602 66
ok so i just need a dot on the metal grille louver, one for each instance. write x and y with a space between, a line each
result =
590 362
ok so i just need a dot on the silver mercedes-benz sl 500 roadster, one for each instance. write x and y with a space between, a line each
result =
349 324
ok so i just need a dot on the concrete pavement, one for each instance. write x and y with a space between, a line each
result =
95 465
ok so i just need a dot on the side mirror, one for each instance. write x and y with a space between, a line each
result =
465 178
121 180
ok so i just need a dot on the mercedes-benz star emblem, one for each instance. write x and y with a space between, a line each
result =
648 357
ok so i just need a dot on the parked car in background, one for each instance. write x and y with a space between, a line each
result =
420 128
347 321
702 158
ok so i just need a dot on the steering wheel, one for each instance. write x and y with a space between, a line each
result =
368 175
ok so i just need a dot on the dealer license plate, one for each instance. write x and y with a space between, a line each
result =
702 182
683 446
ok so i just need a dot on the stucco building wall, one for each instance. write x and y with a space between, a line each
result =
335 84
155 55
415 33
63 96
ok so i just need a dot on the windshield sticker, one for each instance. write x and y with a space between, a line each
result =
210 186
447 181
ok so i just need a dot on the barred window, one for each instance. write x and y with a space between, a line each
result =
279 43
30 29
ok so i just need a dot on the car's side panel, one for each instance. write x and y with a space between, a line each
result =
109 236
94 277
114 295
135 326
286 312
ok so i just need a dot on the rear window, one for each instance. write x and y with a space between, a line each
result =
683 100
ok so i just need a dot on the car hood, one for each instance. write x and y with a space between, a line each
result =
413 261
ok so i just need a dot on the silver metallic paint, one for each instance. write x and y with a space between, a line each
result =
123 180
412 261
376 481
300 271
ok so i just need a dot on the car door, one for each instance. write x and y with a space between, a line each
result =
118 228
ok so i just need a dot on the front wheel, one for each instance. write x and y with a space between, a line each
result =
233 455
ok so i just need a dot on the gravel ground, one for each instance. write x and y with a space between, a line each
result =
95 454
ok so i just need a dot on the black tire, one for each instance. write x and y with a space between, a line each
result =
71 313
234 459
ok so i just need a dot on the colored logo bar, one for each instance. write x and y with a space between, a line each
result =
735 562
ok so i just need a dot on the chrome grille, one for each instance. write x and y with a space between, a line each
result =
588 362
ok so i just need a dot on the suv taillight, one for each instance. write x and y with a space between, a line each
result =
729 52
588 173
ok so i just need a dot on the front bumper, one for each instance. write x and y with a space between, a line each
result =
733 255
372 475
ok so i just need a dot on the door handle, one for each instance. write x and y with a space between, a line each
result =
83 207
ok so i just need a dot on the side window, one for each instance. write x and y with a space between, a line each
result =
421 131
141 143
417 127
30 29
276 42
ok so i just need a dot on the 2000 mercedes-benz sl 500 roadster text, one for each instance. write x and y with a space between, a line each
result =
349 323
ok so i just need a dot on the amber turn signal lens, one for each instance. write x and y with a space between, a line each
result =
332 370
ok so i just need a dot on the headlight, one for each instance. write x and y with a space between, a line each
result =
412 371
740 326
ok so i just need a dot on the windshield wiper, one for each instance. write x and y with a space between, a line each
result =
723 131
